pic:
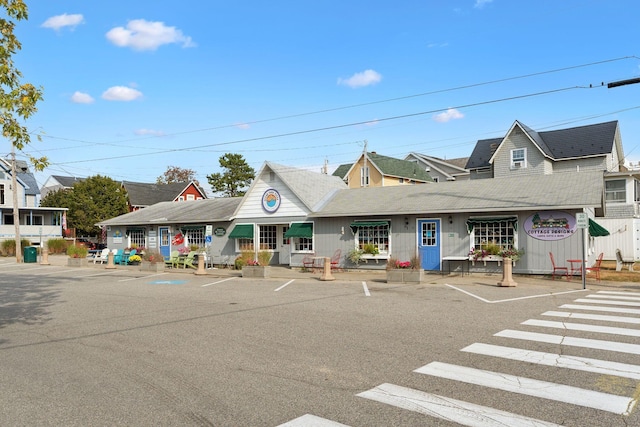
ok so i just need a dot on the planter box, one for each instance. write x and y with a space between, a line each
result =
256 271
152 267
77 262
401 275
490 258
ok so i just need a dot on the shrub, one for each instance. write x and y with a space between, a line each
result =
152 256
245 258
370 248
264 257
9 246
135 258
76 251
355 256
57 246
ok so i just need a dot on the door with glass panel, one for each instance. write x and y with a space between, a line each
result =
429 243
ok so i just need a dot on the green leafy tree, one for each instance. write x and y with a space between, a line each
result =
17 99
177 174
236 177
90 201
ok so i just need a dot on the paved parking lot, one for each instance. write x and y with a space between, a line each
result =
91 346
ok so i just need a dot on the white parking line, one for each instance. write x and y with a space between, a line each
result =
445 408
587 364
602 317
283 286
598 308
513 299
219 281
309 420
583 327
619 347
141 277
366 289
531 387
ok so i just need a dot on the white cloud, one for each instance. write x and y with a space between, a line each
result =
145 35
481 3
121 93
149 132
365 78
64 20
82 98
242 125
450 114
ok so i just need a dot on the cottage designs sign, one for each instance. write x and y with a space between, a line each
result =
550 225
271 200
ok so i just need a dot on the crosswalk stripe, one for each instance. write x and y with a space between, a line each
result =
309 420
599 308
458 411
619 292
617 296
587 364
583 327
619 347
531 387
605 318
602 301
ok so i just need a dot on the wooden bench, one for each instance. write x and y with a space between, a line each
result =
622 262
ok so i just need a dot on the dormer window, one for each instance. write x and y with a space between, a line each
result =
519 158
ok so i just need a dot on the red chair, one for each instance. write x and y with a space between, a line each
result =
308 262
556 268
335 260
596 267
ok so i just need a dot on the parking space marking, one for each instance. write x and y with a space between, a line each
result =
219 281
309 420
142 277
513 299
283 286
106 272
366 289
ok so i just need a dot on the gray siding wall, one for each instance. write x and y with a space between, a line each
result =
535 161
591 163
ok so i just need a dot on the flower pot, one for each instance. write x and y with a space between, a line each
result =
404 275
256 271
154 267
77 262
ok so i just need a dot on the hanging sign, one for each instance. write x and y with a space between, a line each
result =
550 225
271 200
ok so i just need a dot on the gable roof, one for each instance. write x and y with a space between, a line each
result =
568 190
447 167
23 176
563 144
342 170
67 181
202 211
390 166
145 194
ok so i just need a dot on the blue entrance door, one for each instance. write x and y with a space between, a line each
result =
165 241
429 243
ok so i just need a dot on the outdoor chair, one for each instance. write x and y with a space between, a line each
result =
188 261
124 260
308 262
335 260
622 262
102 257
596 267
557 268
117 258
172 261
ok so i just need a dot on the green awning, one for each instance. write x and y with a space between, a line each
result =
512 220
596 230
360 224
191 227
300 229
242 231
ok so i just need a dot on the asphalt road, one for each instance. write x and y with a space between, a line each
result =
97 347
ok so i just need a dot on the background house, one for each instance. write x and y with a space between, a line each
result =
142 195
441 169
374 170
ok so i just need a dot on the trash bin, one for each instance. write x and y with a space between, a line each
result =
30 254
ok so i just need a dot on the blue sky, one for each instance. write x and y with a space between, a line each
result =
133 87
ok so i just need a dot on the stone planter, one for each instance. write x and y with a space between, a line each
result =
256 271
154 267
404 275
77 262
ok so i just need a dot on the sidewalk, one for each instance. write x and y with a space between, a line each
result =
379 276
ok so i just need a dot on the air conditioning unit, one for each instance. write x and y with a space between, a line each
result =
517 165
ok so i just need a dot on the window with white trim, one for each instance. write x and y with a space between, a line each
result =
494 231
377 235
615 191
137 238
268 237
195 237
518 158
243 244
33 220
364 176
191 196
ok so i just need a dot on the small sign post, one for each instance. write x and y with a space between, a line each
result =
582 221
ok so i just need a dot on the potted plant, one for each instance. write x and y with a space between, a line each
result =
404 271
135 259
488 252
355 256
257 268
77 256
152 261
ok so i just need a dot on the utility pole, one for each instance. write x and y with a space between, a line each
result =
365 172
